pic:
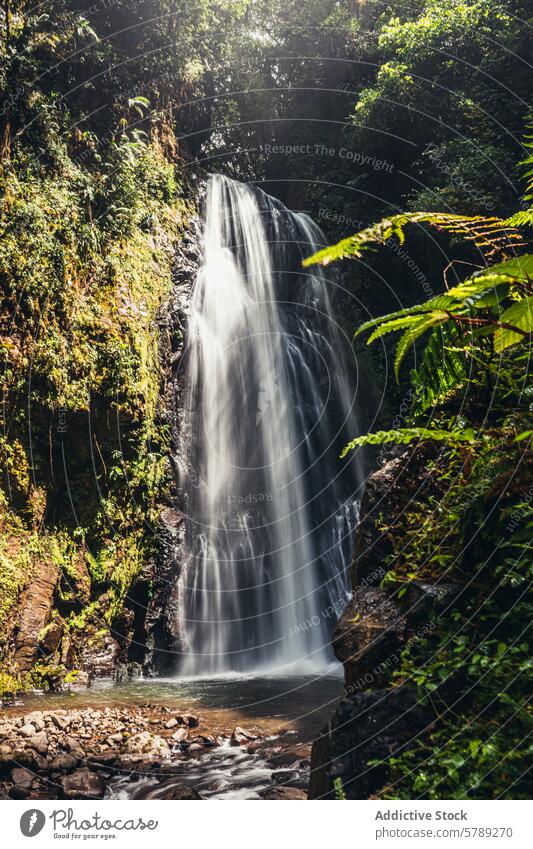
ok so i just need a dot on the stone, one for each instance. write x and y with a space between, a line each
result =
205 740
64 762
35 760
60 722
22 777
284 776
368 637
82 784
367 726
147 743
180 735
39 742
240 736
35 612
195 747
101 657
115 739
27 730
35 718
171 790
51 636
286 793
171 723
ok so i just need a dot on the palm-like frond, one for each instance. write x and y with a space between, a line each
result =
490 234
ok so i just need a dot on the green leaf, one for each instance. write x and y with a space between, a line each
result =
396 324
520 314
413 333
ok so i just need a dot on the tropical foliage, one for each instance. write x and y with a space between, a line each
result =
471 392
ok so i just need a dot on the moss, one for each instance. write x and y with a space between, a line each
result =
86 261
15 570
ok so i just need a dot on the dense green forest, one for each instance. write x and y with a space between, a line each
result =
406 124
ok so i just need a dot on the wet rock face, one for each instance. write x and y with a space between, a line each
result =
100 659
369 726
156 643
387 492
369 633
372 722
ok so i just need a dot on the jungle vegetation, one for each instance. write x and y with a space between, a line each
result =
357 112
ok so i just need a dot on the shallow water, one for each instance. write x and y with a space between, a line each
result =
295 698
289 712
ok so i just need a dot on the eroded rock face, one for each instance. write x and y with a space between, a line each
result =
156 641
51 637
35 612
369 633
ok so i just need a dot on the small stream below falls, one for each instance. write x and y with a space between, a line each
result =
284 713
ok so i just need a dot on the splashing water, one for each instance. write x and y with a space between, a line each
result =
269 507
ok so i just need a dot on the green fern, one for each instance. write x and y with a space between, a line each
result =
491 235
442 368
496 301
410 434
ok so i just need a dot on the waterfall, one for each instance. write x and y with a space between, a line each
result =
269 508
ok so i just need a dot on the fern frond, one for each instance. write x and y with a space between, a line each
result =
489 234
442 368
408 339
410 434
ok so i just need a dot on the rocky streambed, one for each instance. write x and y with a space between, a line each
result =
109 744
147 752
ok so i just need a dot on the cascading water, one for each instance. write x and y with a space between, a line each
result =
269 507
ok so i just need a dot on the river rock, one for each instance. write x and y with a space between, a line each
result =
39 742
171 723
22 777
284 793
171 790
60 722
82 784
64 762
180 735
147 744
285 776
36 718
27 730
115 739
240 736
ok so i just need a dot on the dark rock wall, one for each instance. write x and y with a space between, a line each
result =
375 719
155 644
